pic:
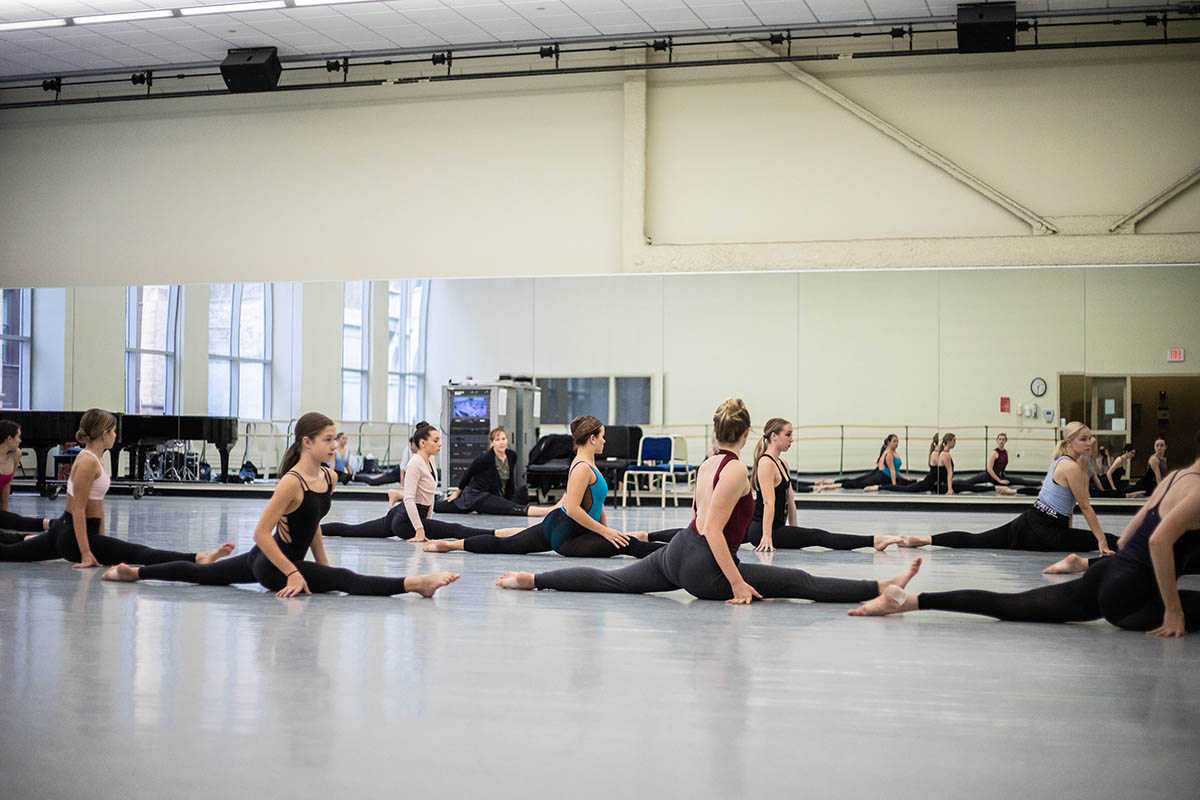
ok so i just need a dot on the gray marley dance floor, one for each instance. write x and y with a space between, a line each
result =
178 691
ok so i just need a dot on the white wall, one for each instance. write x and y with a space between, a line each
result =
540 176
935 350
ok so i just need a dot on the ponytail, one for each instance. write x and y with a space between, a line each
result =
933 445
774 425
883 448
307 427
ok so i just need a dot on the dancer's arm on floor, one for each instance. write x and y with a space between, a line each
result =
730 487
949 465
83 475
1116 462
287 497
577 485
1183 517
791 497
889 461
412 481
1078 484
991 470
767 472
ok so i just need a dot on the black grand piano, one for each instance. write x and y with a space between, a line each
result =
41 430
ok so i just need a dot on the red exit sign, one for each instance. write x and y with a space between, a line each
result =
1175 354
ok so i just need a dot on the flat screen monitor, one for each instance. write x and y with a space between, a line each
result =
470 406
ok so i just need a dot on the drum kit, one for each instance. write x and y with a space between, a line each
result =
172 461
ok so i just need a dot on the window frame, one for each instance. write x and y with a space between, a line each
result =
612 396
133 350
235 359
398 327
25 350
364 370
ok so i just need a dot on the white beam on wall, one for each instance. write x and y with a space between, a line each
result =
1039 223
1130 220
633 173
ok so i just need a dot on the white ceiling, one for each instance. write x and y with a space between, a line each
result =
374 25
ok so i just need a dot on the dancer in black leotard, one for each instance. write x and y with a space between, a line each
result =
887 470
489 484
1047 525
702 558
774 503
301 498
10 460
579 528
1135 589
78 535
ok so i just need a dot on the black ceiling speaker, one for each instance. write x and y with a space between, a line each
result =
987 27
251 69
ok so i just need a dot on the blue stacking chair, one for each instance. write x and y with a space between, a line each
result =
656 456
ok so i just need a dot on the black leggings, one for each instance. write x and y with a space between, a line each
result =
255 567
15 522
1123 592
1033 530
481 502
926 484
789 537
60 542
396 523
391 476
874 478
688 563
583 544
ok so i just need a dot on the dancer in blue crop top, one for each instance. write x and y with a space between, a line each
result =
1135 589
579 527
886 472
1047 525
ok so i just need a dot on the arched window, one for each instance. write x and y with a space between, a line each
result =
239 350
151 317
408 303
15 327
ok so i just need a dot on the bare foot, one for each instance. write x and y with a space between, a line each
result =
894 600
870 488
1138 493
504 533
884 542
442 545
426 585
30 536
913 541
1068 566
515 580
45 525
395 496
214 555
1005 490
641 536
121 572
902 578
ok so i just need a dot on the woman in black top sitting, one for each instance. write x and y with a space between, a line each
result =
489 484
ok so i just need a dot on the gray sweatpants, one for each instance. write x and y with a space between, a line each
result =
688 563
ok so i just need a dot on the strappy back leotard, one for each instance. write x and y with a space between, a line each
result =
739 517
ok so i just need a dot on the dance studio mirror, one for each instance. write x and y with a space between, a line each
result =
848 357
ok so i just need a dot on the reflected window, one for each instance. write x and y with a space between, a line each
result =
408 303
356 354
15 329
151 318
239 350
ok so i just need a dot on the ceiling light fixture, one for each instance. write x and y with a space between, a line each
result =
35 23
232 8
299 3
128 16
